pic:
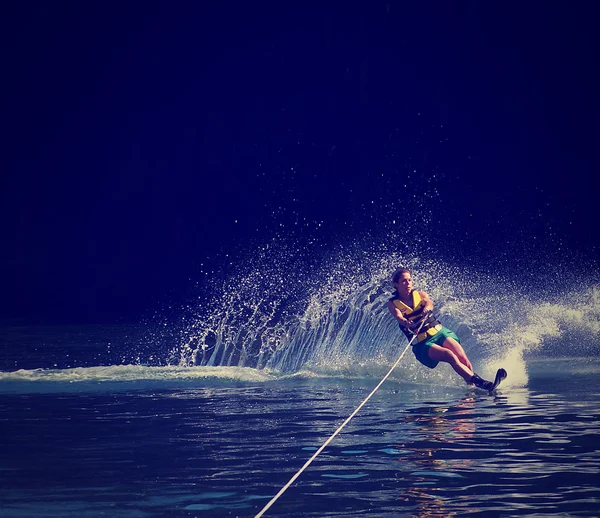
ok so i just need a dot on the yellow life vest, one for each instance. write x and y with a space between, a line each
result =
414 314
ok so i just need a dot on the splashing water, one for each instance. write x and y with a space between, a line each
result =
281 313
310 313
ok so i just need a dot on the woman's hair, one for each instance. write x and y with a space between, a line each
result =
398 274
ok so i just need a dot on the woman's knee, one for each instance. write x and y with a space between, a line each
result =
453 359
453 346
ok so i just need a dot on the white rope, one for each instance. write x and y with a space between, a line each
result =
309 461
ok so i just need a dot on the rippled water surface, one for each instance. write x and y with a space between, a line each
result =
225 448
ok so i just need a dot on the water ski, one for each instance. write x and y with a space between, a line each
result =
500 376
489 386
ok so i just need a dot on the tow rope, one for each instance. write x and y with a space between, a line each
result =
316 454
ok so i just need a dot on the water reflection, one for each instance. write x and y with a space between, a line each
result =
437 434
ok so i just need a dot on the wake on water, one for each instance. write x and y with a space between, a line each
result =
281 315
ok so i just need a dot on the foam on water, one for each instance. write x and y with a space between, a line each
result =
126 377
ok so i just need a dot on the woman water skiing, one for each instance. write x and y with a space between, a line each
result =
434 343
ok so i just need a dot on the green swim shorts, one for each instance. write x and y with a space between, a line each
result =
421 349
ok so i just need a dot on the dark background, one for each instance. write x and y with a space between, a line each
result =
144 142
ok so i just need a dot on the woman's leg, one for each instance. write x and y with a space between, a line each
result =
443 354
456 348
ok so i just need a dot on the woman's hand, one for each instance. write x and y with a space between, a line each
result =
409 326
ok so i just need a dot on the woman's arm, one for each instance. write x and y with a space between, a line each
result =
427 302
397 314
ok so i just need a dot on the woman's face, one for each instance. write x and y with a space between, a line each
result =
404 286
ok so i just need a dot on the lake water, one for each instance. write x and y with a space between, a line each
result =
142 441
212 412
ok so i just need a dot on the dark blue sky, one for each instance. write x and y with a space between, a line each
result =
144 140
